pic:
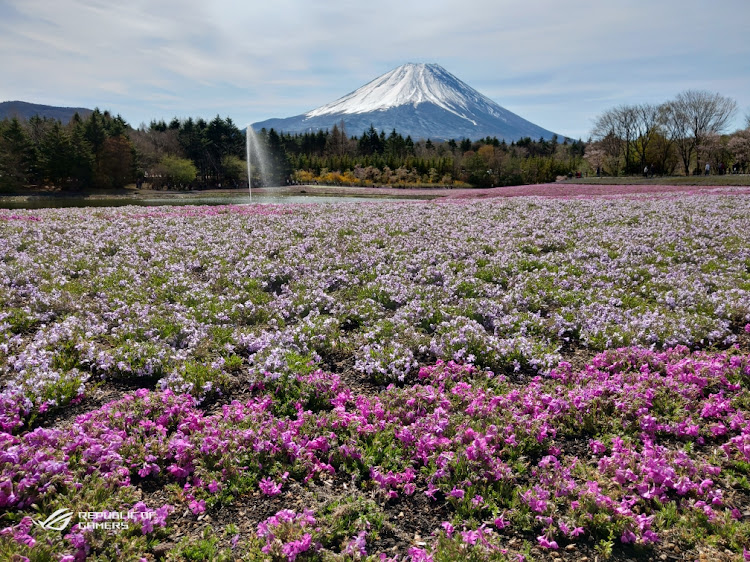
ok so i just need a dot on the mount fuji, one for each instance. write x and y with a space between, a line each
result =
421 100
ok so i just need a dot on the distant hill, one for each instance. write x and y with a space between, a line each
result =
25 110
421 100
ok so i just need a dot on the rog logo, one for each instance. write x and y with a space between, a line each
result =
57 521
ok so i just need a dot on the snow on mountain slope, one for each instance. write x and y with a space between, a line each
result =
411 84
420 100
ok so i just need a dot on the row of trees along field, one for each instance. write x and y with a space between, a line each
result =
216 149
102 151
677 136
390 159
92 151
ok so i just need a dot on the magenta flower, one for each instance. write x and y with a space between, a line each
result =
197 507
544 542
471 536
269 487
420 555
457 493
501 523
431 490
357 546
597 447
294 548
20 532
577 531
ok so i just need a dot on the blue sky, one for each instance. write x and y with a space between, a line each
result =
556 63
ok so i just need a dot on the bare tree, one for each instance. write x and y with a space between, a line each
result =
606 135
617 129
693 116
153 145
627 120
647 122
677 132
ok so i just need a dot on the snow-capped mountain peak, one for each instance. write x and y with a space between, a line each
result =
420 100
410 84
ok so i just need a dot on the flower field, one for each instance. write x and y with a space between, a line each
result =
500 379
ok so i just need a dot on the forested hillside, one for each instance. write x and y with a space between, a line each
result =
25 110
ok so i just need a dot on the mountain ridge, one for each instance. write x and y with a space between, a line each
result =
417 99
25 110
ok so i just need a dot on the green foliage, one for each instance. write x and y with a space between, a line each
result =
342 519
17 155
91 152
604 548
202 378
234 168
20 321
103 151
205 548
114 163
375 158
454 549
176 172
93 494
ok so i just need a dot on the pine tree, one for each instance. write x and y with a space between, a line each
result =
57 156
16 155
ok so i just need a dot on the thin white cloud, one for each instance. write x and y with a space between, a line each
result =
555 63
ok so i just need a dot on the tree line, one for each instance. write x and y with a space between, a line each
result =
91 152
216 150
380 158
680 135
102 151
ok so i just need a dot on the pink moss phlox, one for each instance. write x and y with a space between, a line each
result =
20 218
214 210
20 532
286 534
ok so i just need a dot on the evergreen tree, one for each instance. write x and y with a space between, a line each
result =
57 156
95 132
82 158
280 164
16 155
158 126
